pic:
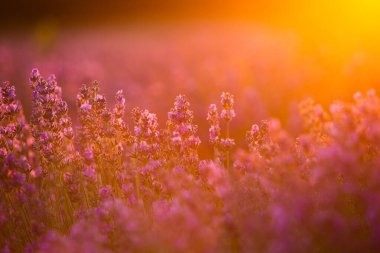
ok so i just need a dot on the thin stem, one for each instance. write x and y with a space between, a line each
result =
26 223
228 152
67 202
6 144
137 181
85 193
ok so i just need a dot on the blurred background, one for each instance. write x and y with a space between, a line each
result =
270 54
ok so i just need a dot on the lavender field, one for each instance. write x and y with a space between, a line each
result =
192 137
100 186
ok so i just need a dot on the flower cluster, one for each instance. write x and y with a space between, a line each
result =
103 188
260 141
184 142
15 140
51 124
147 135
222 145
227 101
213 119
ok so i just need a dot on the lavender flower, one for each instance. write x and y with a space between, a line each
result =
49 118
183 142
227 101
103 188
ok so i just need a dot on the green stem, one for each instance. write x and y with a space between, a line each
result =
67 202
26 224
137 181
85 194
60 221
228 152
6 144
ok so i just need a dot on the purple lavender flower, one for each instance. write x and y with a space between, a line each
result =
183 142
49 118
227 101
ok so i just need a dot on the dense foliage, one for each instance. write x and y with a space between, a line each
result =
101 186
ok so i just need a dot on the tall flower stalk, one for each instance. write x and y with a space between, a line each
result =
52 131
182 135
222 145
